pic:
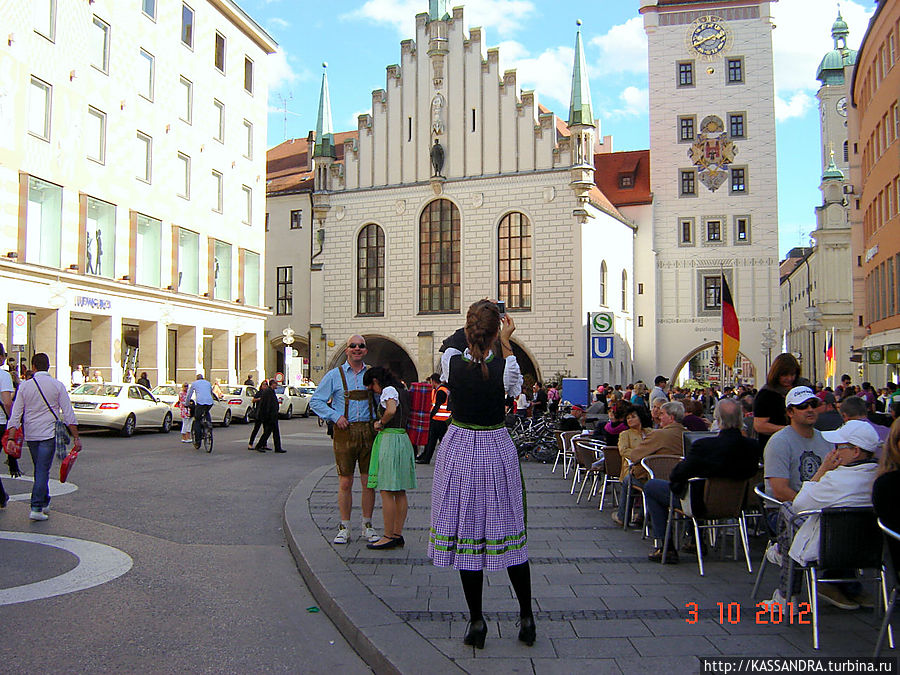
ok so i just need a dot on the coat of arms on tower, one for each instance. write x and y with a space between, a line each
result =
712 152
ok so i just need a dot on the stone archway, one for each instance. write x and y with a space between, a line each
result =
385 352
748 371
527 365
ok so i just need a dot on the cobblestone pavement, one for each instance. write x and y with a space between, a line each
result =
600 605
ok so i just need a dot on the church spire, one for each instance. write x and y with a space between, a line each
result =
324 129
580 110
839 31
438 10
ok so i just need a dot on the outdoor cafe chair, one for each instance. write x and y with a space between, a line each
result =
848 539
889 579
587 453
656 466
612 473
767 503
564 450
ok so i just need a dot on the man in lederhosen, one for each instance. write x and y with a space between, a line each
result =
342 398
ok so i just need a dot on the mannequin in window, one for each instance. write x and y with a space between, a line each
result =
99 251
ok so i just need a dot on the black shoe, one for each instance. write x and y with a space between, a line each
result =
400 541
657 556
476 634
4 499
281 451
527 630
422 460
390 543
261 449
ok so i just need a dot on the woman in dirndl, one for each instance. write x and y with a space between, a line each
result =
477 507
392 469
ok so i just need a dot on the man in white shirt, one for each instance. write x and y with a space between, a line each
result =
6 400
77 377
42 399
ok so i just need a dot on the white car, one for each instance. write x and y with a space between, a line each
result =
293 400
220 413
122 407
239 398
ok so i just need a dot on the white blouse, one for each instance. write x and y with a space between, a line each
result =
387 394
512 376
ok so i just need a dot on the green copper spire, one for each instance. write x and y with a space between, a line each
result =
839 32
580 111
324 130
438 10
832 172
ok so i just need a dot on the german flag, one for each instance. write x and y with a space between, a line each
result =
731 330
830 365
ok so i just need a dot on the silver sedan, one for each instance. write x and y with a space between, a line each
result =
122 407
220 413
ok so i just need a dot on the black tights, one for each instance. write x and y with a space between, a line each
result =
519 577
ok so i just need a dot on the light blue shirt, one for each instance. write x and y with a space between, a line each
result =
203 390
331 388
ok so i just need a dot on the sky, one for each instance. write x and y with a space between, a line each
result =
360 38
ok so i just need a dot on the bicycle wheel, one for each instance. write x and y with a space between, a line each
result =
208 439
195 434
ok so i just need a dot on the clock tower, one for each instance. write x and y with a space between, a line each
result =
713 180
834 73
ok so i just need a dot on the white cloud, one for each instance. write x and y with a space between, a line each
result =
504 16
636 102
548 73
803 36
623 48
279 22
796 106
281 73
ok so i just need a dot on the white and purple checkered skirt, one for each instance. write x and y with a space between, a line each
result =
477 513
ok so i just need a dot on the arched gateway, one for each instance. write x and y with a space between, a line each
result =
747 368
385 352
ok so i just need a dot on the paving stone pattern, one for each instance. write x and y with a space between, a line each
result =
600 605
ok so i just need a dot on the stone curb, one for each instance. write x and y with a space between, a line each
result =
384 641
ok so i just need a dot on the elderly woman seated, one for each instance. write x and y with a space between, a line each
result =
728 455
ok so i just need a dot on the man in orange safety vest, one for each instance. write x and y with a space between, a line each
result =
440 417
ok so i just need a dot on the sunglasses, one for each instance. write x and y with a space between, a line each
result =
809 404
357 345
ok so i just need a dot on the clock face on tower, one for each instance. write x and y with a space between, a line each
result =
842 106
708 37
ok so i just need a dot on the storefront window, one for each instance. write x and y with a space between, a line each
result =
43 223
222 271
251 278
188 262
100 239
148 261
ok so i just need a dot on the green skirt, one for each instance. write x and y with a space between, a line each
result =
392 466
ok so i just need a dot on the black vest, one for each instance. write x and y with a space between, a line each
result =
474 400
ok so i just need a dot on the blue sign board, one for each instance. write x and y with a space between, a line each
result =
602 346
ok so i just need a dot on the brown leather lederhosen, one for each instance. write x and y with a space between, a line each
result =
354 444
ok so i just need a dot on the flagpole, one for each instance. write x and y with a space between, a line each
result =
834 366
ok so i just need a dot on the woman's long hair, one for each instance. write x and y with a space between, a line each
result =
784 364
482 327
890 453
384 376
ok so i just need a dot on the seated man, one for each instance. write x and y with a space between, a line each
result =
856 408
573 420
829 419
844 478
728 455
667 440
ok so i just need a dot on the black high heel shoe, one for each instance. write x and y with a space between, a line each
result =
476 634
527 630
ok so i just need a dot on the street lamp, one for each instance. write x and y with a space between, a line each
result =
813 325
767 343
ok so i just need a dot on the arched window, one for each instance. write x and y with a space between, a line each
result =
603 283
624 291
439 257
370 271
514 261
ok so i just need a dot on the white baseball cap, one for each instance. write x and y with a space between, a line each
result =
856 432
798 396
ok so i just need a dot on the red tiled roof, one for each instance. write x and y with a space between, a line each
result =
288 165
608 167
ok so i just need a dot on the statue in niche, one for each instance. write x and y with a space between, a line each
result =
99 244
437 114
89 266
437 158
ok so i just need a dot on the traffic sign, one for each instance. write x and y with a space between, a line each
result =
19 328
602 323
601 346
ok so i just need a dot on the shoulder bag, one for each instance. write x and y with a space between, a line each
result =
62 436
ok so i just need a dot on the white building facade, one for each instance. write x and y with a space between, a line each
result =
713 179
132 186
456 187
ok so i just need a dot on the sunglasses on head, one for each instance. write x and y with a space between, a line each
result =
812 403
357 345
